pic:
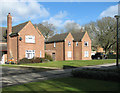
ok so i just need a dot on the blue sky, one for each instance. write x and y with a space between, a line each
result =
57 13
80 12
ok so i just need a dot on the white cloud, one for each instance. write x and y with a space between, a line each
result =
111 11
59 21
22 11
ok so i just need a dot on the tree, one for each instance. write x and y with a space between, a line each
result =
91 29
72 27
103 32
106 32
46 29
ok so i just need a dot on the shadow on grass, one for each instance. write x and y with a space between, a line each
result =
63 84
68 85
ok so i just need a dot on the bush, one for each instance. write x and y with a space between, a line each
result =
48 57
102 75
24 61
36 60
33 60
112 56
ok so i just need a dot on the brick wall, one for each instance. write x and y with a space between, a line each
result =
86 38
77 51
14 48
69 38
37 46
59 50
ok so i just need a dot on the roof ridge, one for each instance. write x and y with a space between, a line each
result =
21 23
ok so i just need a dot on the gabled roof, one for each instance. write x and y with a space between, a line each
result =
61 37
17 28
57 38
78 36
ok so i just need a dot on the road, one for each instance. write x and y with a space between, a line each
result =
16 76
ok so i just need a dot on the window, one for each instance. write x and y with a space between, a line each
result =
29 39
69 43
40 54
30 54
86 54
85 43
69 54
76 43
54 44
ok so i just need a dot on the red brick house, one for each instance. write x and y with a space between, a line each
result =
69 46
23 41
3 46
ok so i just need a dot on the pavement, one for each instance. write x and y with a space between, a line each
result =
18 76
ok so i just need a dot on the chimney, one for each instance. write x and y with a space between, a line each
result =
9 30
9 23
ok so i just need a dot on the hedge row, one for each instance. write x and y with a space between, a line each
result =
112 56
101 75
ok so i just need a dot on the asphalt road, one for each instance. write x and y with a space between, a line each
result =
15 76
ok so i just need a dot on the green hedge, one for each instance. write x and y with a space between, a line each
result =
95 74
112 56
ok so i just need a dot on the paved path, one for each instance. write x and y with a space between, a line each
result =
31 76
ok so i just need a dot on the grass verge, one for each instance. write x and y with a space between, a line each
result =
67 85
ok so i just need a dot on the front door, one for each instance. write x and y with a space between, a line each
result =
53 56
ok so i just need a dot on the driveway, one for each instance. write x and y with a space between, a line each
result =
15 76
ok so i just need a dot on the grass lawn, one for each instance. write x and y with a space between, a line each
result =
66 84
76 63
60 64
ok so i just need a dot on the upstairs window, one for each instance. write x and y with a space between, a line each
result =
69 43
85 43
76 43
54 44
29 39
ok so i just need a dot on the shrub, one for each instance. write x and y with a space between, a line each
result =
102 75
36 60
25 60
33 60
48 57
112 56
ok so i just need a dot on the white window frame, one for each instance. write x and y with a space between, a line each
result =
69 54
69 43
86 54
31 54
85 43
54 44
40 54
76 43
29 39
